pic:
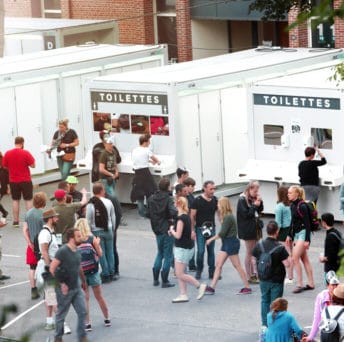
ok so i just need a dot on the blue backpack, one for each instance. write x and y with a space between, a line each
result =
89 257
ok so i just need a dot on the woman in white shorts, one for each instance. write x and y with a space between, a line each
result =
183 252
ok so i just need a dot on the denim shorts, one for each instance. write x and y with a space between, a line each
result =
231 245
183 255
301 235
93 279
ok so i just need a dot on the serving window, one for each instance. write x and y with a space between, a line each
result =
322 137
273 134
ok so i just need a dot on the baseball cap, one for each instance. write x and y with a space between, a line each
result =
59 193
331 278
72 180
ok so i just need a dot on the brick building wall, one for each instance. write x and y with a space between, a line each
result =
135 18
184 37
18 8
298 37
338 27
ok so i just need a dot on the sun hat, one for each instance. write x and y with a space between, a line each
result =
49 213
72 180
339 291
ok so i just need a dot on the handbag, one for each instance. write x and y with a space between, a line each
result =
68 157
259 228
38 273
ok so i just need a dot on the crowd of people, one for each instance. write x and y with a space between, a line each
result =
72 241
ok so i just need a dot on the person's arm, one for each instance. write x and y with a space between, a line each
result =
316 317
53 266
295 327
26 234
113 217
45 254
90 216
323 160
213 238
172 210
154 160
84 196
306 222
244 209
97 246
177 234
278 215
83 279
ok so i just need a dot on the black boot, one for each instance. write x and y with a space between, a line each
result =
165 282
156 277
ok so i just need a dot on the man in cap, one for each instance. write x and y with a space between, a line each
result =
48 247
66 212
76 195
97 150
108 170
323 299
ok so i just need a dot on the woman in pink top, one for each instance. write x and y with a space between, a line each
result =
323 299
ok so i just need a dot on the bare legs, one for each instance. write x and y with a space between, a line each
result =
289 247
250 261
300 254
97 291
184 278
221 259
15 208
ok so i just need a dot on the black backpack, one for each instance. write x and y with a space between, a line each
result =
264 266
36 250
312 212
330 328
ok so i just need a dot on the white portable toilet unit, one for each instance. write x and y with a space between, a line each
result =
287 115
204 103
25 35
38 89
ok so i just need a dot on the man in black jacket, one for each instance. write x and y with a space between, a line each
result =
161 211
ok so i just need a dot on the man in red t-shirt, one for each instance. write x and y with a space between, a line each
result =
18 162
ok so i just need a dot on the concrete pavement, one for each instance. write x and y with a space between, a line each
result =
139 311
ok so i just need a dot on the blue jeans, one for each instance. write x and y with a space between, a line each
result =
107 260
109 189
64 167
201 250
76 297
141 208
269 291
164 256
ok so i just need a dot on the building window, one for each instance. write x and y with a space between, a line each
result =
166 26
166 6
51 8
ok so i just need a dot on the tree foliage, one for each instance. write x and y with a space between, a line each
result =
278 9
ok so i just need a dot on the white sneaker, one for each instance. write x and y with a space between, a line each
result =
288 281
201 291
182 298
66 329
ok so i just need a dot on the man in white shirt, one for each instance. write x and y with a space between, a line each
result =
143 183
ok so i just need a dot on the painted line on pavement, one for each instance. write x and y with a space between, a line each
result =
21 315
15 284
11 256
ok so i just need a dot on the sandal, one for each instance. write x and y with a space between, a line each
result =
308 287
299 289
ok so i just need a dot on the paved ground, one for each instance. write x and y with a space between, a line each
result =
139 311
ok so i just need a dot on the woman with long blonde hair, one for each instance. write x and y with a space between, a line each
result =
230 246
300 236
93 279
250 205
